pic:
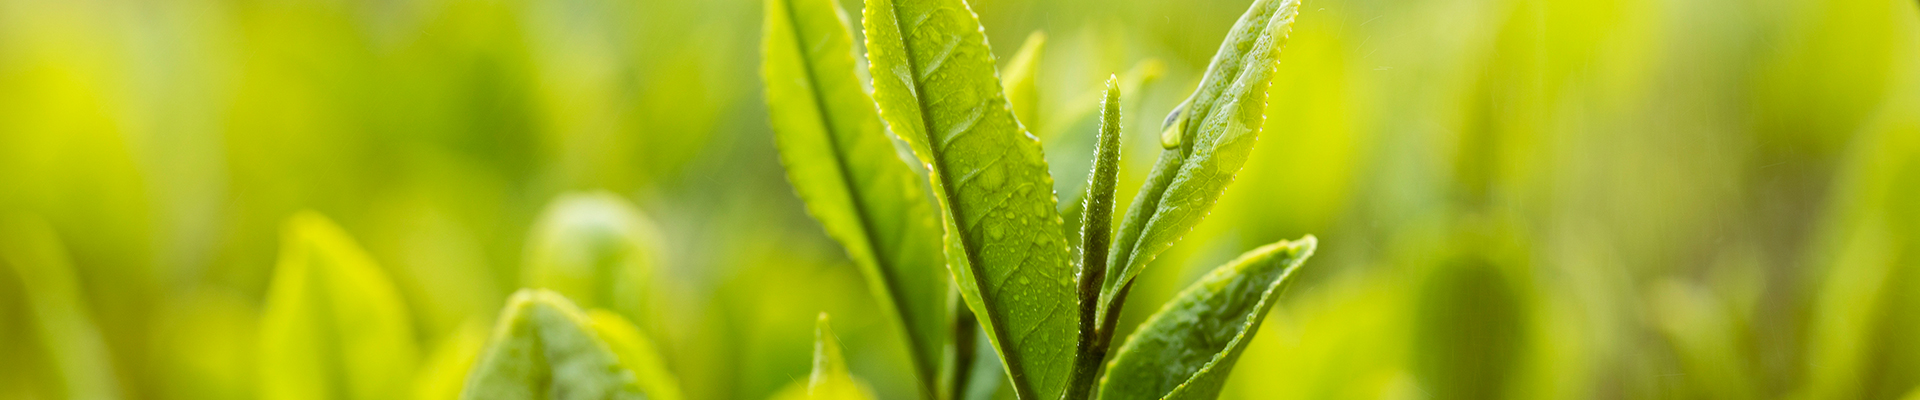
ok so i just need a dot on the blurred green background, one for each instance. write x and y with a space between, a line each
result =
1633 199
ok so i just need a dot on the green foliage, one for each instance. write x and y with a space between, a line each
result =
333 326
545 347
595 247
1021 85
61 320
845 169
936 87
1207 140
1185 350
829 379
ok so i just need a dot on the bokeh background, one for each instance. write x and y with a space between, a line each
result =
1524 199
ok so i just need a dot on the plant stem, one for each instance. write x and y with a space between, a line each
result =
965 332
1096 235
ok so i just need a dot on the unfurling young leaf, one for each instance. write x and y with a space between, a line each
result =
1208 139
596 248
934 81
61 318
830 379
1095 232
844 167
333 326
1185 350
1021 75
545 347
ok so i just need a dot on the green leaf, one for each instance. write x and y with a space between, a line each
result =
594 247
1208 140
637 353
544 347
1095 233
830 379
444 371
933 78
60 316
1185 350
1021 73
846 170
333 326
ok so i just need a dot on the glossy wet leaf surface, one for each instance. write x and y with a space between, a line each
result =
935 83
1186 350
844 167
1208 139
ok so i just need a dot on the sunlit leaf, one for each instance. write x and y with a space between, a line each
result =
60 317
1207 140
1096 232
545 347
637 353
1186 350
333 326
845 168
594 247
830 379
443 373
1021 74
934 81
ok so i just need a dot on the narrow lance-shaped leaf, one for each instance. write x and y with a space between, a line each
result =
1022 75
1095 232
846 170
934 80
544 347
594 247
1185 350
333 326
1207 140
60 315
830 379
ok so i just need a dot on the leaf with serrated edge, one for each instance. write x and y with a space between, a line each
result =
1185 350
545 347
1215 129
934 80
848 174
333 326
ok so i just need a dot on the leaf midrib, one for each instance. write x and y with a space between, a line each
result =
843 169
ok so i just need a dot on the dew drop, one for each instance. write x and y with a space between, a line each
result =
992 177
995 231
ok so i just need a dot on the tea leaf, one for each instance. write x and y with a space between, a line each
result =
637 353
544 347
1207 140
1185 350
1095 232
933 78
594 247
60 315
830 380
846 170
333 326
1021 73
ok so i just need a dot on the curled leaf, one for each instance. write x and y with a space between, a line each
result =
1185 350
1207 140
594 247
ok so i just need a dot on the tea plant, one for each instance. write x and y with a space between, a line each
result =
1049 315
